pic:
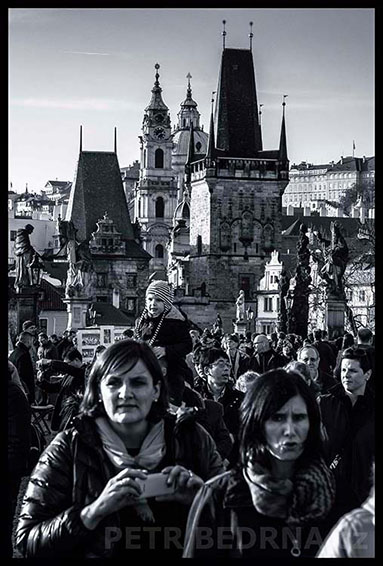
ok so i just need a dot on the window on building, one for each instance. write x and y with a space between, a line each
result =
13 235
199 244
131 280
43 325
234 247
198 146
268 304
131 304
159 159
245 285
266 328
159 251
102 280
160 207
101 299
362 295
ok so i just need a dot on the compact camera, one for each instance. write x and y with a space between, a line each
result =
155 485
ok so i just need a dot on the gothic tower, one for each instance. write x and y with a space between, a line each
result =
156 192
236 191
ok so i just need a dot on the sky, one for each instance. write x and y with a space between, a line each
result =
95 67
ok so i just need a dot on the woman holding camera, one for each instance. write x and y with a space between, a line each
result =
274 503
84 497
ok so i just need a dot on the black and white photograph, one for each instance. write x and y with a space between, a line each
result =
191 283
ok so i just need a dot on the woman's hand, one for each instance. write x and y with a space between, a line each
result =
120 491
187 484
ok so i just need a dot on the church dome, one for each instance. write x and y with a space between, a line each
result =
182 211
181 142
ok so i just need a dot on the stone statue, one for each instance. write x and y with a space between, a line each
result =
80 275
240 304
283 286
24 253
335 257
217 326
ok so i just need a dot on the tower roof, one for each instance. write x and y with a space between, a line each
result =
283 142
188 100
156 102
238 132
97 189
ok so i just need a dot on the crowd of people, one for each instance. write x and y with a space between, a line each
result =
192 442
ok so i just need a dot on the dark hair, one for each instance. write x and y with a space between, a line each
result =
233 337
73 354
43 334
347 341
211 355
264 397
114 357
359 354
364 334
317 334
299 367
128 333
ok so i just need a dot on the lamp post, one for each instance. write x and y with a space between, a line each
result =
28 295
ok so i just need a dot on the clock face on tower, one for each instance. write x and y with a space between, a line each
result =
159 133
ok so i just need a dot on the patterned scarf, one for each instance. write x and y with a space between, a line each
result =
150 455
306 497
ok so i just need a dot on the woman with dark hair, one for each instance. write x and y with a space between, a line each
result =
85 495
275 501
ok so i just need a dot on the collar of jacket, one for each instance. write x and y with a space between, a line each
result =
237 491
339 392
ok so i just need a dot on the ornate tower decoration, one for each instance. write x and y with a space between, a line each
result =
188 117
156 192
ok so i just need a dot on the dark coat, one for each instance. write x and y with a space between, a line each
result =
224 504
239 364
324 381
72 473
70 390
175 338
48 352
210 415
231 400
349 432
21 359
267 361
327 356
19 427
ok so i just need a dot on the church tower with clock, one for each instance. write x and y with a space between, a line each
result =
156 192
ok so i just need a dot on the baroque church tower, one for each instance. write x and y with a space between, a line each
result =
236 192
156 191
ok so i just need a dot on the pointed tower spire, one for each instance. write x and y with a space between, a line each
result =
223 34
210 153
115 139
283 142
80 139
251 35
156 102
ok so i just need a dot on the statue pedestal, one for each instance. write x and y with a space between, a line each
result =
77 308
27 306
240 327
335 312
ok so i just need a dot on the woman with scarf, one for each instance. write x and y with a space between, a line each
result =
275 502
84 497
166 329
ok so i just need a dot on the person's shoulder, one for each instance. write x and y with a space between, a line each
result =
175 315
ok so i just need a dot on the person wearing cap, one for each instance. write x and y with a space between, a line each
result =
166 329
348 417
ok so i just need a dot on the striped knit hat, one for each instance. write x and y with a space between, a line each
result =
163 291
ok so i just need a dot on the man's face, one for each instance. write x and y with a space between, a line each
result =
232 345
353 377
309 357
194 335
43 340
218 373
261 344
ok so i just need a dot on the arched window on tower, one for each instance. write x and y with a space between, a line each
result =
186 211
199 244
159 251
184 126
145 158
160 207
159 159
